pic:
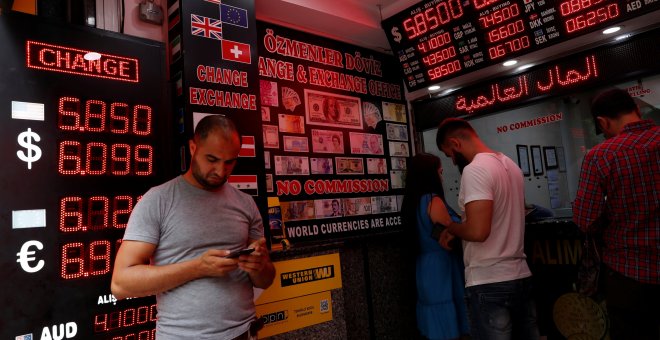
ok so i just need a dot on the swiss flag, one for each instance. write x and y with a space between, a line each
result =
236 51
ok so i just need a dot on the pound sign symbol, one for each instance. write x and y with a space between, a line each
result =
33 151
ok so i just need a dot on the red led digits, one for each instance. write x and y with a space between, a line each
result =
96 159
97 154
95 111
434 43
120 120
574 6
79 214
125 318
120 159
506 31
144 155
432 18
77 261
142 120
121 210
444 70
508 47
499 16
592 18
68 117
439 56
71 212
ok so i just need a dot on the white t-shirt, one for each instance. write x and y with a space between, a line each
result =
501 256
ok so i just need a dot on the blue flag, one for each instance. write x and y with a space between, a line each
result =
233 15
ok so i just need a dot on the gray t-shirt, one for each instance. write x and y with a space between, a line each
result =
185 221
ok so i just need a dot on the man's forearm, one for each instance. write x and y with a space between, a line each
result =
144 280
263 278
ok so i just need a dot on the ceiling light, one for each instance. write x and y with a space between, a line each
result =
92 56
434 87
447 91
612 30
510 62
524 67
623 36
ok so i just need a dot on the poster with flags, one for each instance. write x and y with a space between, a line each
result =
209 40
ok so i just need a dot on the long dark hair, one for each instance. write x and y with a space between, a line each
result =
422 178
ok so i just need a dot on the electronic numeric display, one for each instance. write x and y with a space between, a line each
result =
441 39
83 141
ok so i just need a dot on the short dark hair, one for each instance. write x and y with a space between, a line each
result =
215 123
611 104
449 127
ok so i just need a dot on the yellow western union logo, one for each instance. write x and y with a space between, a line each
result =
307 275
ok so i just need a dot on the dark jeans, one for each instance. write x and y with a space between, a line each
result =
502 311
633 308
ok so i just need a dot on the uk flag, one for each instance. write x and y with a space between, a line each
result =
206 27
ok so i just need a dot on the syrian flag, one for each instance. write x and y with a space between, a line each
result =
245 183
247 147
236 51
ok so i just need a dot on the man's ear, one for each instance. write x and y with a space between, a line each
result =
454 142
192 146
604 123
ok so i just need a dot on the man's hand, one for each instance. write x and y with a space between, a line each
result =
214 263
254 262
258 265
445 238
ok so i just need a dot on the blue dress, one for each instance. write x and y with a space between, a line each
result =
441 311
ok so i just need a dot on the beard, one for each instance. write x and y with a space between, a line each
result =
461 161
203 180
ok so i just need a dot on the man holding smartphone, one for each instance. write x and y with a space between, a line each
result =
497 279
178 239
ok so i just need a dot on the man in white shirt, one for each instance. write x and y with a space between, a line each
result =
491 198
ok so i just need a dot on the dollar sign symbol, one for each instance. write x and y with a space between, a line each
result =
33 152
396 34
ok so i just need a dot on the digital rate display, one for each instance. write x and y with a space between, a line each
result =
82 141
441 39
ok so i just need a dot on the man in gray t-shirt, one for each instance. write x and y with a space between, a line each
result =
179 235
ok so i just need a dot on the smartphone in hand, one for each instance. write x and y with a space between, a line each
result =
236 253
437 230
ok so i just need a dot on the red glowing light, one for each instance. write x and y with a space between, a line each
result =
94 212
439 56
433 17
79 261
143 335
499 16
506 31
514 45
444 69
95 117
47 57
574 6
70 159
478 4
125 318
434 43
592 18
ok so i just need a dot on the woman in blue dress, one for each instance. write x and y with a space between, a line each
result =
441 311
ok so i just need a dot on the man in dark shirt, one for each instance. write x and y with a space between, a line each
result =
619 195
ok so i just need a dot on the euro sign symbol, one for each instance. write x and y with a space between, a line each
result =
396 34
25 256
33 151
